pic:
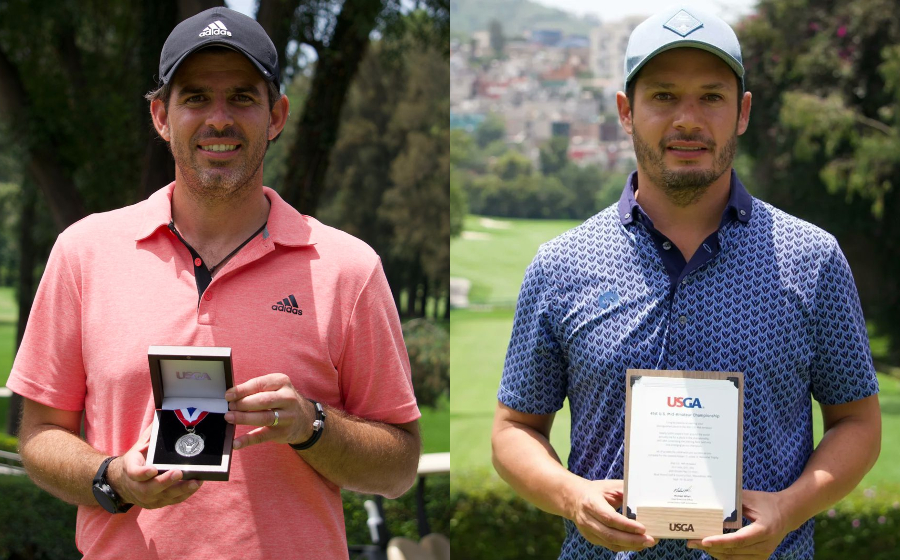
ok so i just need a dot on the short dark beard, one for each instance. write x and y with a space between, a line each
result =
212 191
684 187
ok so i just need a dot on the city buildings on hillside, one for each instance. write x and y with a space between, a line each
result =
547 84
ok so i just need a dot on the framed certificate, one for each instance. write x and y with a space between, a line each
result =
683 451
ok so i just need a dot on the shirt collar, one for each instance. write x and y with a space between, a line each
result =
739 206
285 225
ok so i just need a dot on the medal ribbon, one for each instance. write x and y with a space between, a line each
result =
190 416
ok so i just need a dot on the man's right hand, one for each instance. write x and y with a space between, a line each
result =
142 485
592 508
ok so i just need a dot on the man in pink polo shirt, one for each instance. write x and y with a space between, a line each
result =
322 397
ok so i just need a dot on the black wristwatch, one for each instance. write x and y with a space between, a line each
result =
104 493
318 428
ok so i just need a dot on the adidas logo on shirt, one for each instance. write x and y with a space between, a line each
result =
215 28
288 305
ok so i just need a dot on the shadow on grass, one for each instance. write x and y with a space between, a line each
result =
891 408
467 415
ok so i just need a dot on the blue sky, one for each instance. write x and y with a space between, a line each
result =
247 7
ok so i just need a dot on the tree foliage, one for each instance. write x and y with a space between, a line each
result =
824 136
76 125
491 129
498 41
497 180
389 184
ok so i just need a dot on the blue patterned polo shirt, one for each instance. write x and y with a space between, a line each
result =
768 295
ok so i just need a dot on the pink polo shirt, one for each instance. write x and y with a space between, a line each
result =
120 281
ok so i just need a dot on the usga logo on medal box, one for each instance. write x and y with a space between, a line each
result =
198 375
685 527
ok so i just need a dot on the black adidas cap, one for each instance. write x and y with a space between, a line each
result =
223 27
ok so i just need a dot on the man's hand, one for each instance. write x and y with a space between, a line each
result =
356 454
594 513
254 404
137 483
755 541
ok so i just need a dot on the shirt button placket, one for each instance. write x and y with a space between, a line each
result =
206 310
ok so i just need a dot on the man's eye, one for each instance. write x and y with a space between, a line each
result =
194 99
241 98
713 97
664 96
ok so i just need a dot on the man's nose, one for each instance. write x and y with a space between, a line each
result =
687 118
220 116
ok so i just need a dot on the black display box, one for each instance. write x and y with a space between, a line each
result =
191 377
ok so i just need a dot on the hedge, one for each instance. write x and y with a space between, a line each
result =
45 529
33 524
8 443
400 514
482 516
490 522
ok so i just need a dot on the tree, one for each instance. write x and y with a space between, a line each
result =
498 41
340 38
491 129
458 205
389 182
824 131
554 155
512 165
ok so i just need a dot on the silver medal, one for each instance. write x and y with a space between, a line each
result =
189 445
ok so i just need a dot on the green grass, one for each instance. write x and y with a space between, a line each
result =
8 317
435 428
886 472
478 339
477 348
494 258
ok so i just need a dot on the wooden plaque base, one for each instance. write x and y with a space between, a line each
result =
680 523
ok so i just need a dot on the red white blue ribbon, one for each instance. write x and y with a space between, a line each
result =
190 416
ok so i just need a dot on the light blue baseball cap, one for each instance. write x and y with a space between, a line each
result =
682 27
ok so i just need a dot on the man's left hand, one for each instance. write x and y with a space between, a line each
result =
755 541
255 402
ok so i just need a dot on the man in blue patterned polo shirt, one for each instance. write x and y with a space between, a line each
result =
688 272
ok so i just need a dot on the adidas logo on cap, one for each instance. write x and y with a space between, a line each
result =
215 28
288 305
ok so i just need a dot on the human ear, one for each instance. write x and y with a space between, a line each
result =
160 116
625 113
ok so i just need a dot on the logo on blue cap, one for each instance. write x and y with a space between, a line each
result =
683 23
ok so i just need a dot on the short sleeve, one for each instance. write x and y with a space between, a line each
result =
534 374
48 367
841 370
375 377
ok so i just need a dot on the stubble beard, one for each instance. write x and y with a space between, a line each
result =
209 186
683 187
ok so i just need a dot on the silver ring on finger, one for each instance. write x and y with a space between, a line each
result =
274 422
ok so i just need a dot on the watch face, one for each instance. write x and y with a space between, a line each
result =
103 495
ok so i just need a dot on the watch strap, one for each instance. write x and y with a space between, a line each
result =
102 485
100 477
318 428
